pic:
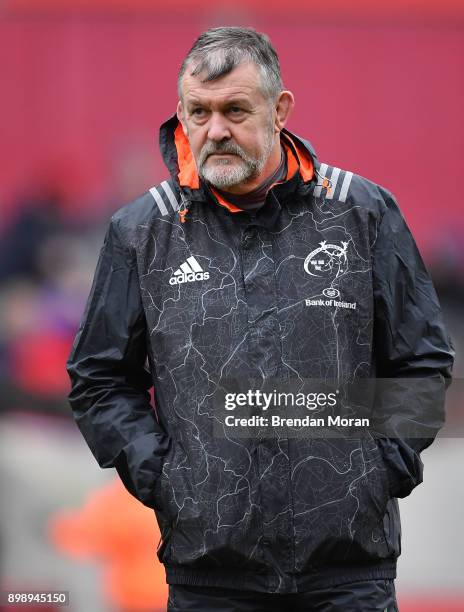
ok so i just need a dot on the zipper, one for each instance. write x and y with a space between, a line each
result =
184 207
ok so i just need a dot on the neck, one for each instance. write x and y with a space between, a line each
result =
270 167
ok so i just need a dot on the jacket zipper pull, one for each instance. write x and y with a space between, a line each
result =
183 210
326 183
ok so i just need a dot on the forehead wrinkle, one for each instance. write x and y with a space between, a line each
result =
231 90
244 80
224 100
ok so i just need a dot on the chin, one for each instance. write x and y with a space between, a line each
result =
221 183
223 176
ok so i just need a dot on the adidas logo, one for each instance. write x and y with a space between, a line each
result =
189 271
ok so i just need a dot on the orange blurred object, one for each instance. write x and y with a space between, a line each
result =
123 533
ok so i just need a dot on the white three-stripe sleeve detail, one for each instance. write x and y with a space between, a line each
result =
345 186
159 200
172 198
333 183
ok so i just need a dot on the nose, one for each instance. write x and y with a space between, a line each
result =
218 128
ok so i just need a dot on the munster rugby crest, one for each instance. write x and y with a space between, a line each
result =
328 261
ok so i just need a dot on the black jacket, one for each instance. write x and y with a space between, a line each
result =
182 304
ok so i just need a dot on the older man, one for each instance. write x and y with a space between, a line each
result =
256 262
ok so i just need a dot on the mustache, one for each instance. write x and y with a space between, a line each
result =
224 146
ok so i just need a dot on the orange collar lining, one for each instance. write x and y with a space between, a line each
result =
188 175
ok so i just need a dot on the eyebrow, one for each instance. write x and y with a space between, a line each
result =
233 101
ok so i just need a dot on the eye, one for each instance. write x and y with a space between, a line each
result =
198 112
236 113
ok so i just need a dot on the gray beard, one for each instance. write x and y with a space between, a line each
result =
226 174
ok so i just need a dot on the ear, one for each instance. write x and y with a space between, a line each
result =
180 116
284 106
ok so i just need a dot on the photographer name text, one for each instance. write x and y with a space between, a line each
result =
306 421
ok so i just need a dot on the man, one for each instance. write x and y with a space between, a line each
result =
256 262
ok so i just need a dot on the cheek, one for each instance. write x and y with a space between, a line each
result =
196 141
257 135
259 144
249 139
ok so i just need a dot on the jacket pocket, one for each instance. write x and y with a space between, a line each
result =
340 490
382 496
163 545
159 495
392 527
178 509
216 508
379 482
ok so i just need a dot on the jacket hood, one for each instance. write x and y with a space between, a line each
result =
178 157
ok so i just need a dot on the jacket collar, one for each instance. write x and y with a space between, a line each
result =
178 157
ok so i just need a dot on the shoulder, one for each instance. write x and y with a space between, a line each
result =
160 201
345 186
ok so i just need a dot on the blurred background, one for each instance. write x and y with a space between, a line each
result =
84 86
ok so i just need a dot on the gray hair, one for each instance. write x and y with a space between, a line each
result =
219 50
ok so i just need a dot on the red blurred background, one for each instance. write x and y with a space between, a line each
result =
379 89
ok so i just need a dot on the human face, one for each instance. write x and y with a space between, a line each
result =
232 128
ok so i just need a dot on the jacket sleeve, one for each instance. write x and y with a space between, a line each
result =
413 353
109 385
